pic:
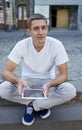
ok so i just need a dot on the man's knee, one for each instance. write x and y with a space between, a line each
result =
69 89
4 89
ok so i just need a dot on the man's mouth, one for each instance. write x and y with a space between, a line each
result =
40 37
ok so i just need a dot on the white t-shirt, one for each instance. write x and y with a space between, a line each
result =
39 64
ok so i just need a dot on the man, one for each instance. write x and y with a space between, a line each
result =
39 54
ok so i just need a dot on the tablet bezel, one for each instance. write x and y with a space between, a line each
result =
24 97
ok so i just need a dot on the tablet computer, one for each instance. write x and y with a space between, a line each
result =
33 94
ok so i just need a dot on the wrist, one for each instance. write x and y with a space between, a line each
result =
18 80
49 84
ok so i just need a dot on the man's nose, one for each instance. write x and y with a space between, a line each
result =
40 31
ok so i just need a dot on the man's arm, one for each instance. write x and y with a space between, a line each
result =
10 76
60 78
8 72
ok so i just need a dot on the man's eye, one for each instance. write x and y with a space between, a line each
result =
36 28
43 27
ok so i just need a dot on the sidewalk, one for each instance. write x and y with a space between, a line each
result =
64 32
71 39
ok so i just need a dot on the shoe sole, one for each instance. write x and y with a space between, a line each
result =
47 115
27 123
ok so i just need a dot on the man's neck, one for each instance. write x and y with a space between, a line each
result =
38 48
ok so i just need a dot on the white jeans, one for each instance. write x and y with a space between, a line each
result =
57 95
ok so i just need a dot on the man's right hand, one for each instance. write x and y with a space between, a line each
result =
21 85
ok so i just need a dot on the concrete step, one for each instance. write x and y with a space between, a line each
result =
67 116
64 117
70 125
13 114
4 102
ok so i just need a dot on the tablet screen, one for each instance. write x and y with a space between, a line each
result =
33 94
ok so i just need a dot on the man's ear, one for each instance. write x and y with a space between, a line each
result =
28 31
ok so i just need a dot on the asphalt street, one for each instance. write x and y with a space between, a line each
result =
72 40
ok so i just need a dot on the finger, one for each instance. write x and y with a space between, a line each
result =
20 90
45 93
26 86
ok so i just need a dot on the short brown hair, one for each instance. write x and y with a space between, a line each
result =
35 17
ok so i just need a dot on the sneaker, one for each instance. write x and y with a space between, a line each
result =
28 118
44 113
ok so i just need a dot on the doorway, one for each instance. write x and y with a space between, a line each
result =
62 18
58 17
22 16
1 17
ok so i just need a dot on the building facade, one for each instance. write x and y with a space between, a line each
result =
59 13
14 13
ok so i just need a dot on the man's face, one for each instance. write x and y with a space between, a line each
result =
38 31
